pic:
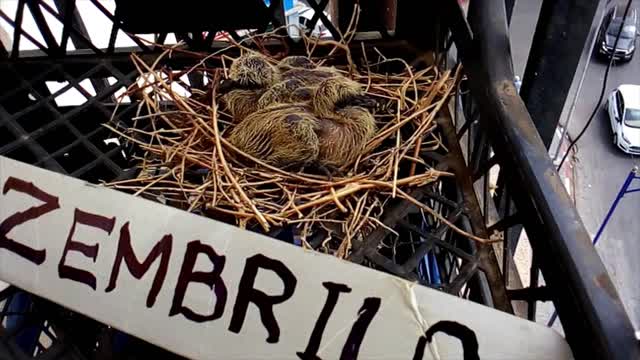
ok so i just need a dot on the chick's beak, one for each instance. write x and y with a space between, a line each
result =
226 85
364 101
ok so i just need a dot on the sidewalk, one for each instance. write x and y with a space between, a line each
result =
567 173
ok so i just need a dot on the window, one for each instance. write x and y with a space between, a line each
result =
619 103
632 118
628 30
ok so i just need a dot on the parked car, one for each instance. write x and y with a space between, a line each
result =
609 30
623 107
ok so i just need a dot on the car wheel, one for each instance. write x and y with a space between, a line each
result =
615 139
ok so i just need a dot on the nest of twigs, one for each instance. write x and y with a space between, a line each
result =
185 160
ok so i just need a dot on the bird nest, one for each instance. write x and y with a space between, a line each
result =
185 159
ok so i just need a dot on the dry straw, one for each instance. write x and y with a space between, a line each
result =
188 163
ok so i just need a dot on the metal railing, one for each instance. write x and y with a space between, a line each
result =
487 128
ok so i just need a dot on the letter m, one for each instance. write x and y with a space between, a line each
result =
161 250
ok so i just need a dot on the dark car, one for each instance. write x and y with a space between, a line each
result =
610 28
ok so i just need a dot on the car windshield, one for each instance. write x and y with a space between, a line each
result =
632 118
628 31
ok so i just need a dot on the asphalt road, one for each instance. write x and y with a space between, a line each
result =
600 172
601 168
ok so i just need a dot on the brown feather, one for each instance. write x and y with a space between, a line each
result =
282 135
296 134
254 75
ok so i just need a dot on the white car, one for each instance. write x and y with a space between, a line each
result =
623 106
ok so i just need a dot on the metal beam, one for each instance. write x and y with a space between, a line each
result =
560 37
74 27
594 320
43 27
509 6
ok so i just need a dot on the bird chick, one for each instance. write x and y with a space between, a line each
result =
299 80
311 77
286 91
250 76
345 123
329 132
297 62
282 135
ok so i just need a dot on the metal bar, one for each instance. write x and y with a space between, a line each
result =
465 126
42 130
81 138
505 223
632 191
115 21
15 51
434 240
41 22
67 14
509 6
38 78
483 168
320 15
46 99
533 284
160 38
466 272
74 27
487 258
17 28
621 193
19 133
506 249
4 39
558 42
113 36
80 37
460 29
593 318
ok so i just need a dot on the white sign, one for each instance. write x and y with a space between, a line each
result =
205 290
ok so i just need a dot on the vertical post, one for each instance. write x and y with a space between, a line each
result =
623 190
560 37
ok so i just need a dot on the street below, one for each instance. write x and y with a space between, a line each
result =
600 168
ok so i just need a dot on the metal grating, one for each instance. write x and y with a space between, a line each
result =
68 57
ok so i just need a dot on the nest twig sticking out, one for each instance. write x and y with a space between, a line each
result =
188 163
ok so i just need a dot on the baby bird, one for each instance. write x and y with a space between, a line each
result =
299 79
286 91
329 132
250 76
283 135
311 77
345 123
297 62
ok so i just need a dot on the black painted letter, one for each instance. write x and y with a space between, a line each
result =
212 279
316 335
366 313
247 293
50 203
466 336
98 221
162 249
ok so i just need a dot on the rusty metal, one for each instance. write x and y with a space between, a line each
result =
487 257
494 119
592 315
